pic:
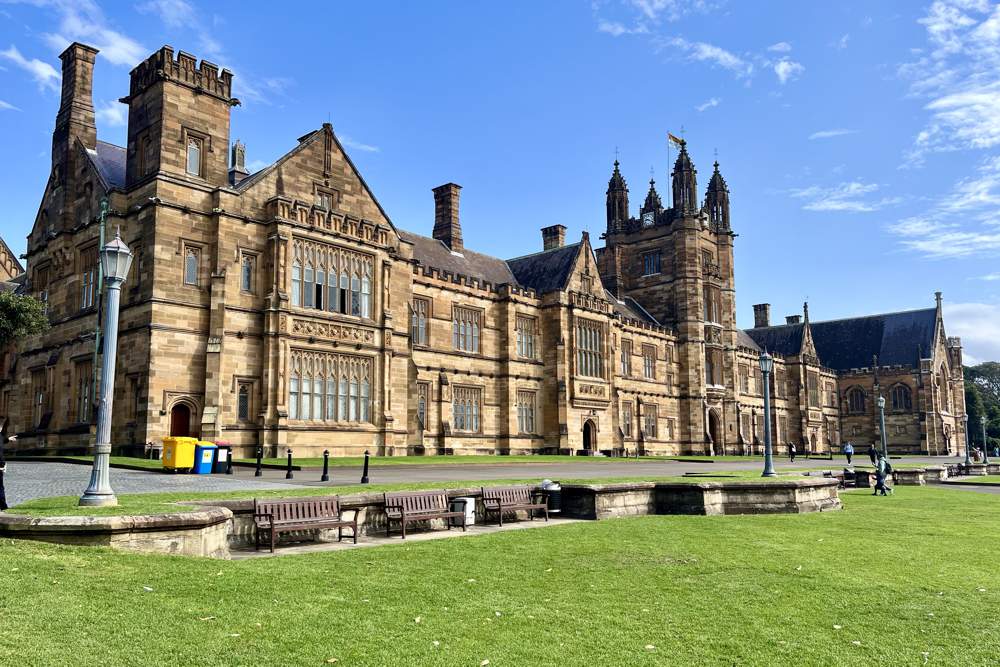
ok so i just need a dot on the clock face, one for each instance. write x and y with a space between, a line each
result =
648 218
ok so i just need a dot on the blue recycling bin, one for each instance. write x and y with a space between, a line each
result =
204 455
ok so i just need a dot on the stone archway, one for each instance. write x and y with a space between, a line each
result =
180 420
589 435
715 432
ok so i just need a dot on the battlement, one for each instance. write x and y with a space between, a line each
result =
954 341
184 70
473 282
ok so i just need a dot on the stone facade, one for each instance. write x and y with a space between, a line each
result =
285 309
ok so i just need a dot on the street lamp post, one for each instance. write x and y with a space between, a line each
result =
766 364
881 427
968 444
986 447
116 260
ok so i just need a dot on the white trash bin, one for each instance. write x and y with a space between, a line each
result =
467 505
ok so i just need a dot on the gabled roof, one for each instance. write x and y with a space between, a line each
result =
431 252
547 270
630 308
743 339
896 338
109 160
785 339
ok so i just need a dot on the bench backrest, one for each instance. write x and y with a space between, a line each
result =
509 494
294 509
418 501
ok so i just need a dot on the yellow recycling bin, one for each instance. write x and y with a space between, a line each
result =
178 453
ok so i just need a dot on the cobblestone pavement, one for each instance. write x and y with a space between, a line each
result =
25 481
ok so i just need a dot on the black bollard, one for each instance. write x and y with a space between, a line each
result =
260 455
229 463
326 466
364 473
288 473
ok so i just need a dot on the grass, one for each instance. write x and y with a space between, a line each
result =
162 503
899 580
991 480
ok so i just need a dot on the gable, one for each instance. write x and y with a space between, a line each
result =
545 271
318 165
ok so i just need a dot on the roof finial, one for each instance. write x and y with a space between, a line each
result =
805 310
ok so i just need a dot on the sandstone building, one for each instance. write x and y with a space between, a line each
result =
286 309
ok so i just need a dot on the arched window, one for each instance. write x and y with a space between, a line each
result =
856 401
331 398
944 392
243 402
353 415
310 287
901 398
194 157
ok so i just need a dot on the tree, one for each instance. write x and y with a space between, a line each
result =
975 408
986 376
20 317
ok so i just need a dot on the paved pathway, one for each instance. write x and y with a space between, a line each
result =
26 480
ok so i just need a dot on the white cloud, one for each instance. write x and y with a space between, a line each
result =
671 10
780 47
7 106
990 277
843 41
959 76
113 113
978 325
83 21
358 146
708 104
616 29
827 134
787 70
180 14
705 52
44 74
849 197
964 222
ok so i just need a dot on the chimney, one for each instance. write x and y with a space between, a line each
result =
793 319
239 161
553 237
75 120
761 315
447 227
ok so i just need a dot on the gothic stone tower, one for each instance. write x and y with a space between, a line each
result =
677 263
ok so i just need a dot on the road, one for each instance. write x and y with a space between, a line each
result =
28 480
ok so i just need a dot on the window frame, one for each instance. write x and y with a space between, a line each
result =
195 250
649 362
251 257
652 263
420 318
526 330
467 329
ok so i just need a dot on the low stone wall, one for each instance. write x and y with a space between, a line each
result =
201 532
909 476
936 473
601 501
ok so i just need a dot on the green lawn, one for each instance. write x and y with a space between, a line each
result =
892 581
992 480
160 503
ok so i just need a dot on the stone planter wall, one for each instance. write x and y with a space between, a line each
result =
936 473
201 532
601 501
909 476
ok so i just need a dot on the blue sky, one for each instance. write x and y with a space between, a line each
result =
861 141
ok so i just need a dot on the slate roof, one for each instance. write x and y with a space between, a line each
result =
431 252
631 309
545 271
743 339
897 339
110 163
784 339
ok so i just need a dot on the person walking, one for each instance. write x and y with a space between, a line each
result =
881 470
791 452
3 467
848 451
872 453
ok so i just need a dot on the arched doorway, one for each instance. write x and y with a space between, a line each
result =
715 432
180 420
589 436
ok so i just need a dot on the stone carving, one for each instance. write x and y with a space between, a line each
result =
592 390
332 330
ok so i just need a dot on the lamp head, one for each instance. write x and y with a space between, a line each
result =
766 362
116 259
881 402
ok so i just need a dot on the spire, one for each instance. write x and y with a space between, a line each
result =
717 201
617 201
685 182
653 202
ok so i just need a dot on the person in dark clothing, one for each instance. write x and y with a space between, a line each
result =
882 470
3 467
873 453
791 452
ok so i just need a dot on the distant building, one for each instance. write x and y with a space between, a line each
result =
285 309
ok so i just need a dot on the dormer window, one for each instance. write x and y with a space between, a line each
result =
194 149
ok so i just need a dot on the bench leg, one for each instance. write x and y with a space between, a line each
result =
500 516
340 533
256 539
273 539
355 532
463 523
403 525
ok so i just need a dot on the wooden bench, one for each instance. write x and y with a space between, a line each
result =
411 506
287 515
500 499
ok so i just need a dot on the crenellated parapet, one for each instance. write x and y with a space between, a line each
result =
184 70
285 209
